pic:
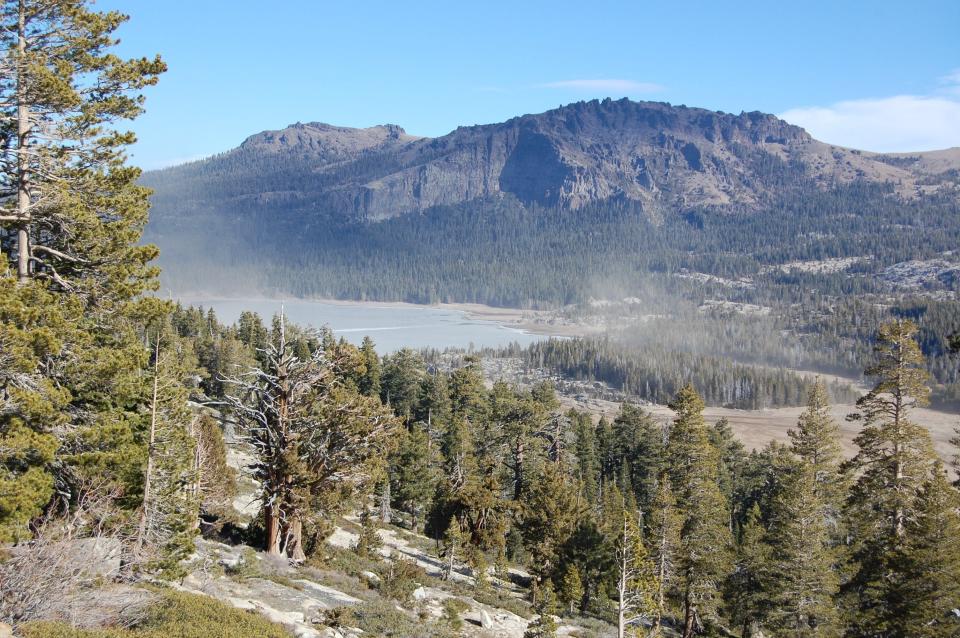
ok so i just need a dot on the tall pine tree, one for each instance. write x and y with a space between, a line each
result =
72 361
894 462
705 540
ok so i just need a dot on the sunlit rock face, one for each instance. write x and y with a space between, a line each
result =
668 158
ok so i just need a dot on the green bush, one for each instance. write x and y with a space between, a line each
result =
452 608
382 619
176 615
399 579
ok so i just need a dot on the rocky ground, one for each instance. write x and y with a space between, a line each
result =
310 600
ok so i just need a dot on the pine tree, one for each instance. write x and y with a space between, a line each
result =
368 541
733 457
894 462
453 543
433 407
412 473
748 588
468 396
370 381
32 406
571 587
170 508
639 453
544 625
74 207
585 450
929 588
802 578
704 557
551 512
817 442
72 360
215 481
607 452
400 381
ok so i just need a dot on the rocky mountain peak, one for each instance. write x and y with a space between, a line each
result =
326 140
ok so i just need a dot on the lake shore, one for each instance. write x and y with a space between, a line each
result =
536 322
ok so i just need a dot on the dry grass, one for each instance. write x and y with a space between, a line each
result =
756 428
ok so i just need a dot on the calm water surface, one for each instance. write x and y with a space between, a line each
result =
391 327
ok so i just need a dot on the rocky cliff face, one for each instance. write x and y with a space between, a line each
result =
665 157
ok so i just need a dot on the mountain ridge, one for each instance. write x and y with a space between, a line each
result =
662 156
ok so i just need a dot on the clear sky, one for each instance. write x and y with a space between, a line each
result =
878 75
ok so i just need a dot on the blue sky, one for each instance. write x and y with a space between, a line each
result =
877 75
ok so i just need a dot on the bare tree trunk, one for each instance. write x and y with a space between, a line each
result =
151 449
448 567
23 133
198 454
621 597
273 547
661 582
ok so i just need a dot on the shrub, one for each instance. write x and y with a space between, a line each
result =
176 614
452 608
368 541
399 578
381 618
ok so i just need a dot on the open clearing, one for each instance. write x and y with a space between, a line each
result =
756 428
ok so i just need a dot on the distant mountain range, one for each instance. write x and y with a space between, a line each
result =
284 206
664 157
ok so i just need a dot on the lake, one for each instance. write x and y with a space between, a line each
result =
391 327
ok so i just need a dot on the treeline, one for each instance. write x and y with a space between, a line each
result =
656 373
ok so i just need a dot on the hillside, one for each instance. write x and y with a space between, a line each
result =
352 213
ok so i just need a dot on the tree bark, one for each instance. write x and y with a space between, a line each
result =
274 512
198 454
272 524
295 542
23 134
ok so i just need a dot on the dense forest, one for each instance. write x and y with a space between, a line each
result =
655 373
743 359
503 253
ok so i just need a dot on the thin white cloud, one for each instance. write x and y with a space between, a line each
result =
950 83
623 87
901 123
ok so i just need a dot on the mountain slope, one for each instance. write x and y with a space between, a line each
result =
539 209
662 156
